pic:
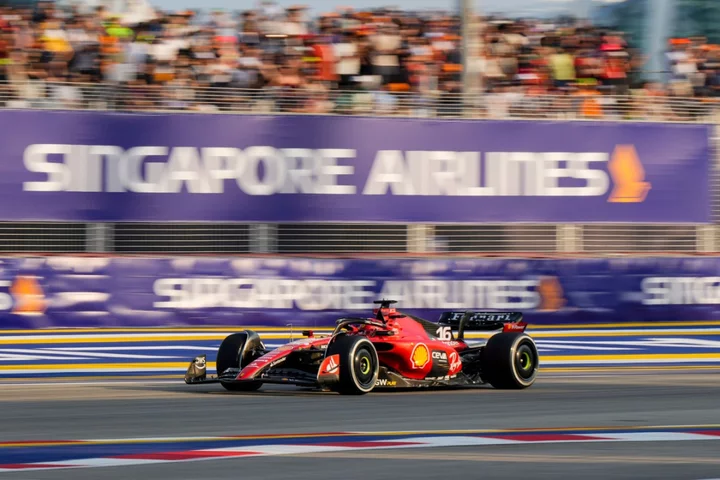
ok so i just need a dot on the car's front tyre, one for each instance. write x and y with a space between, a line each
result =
359 364
235 352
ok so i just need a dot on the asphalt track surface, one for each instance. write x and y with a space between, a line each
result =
633 402
640 402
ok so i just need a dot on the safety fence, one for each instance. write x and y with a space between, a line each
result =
346 239
636 105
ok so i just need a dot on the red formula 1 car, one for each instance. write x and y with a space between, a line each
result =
391 350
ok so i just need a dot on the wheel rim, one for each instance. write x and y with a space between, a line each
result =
525 361
364 367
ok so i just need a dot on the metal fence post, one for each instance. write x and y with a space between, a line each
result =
706 238
263 238
710 233
569 238
418 238
98 237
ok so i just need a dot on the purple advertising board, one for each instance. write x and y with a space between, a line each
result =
156 292
92 166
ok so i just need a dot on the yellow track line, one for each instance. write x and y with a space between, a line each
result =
541 429
101 366
124 340
124 378
211 365
182 439
627 368
219 328
281 336
630 356
229 328
619 334
77 378
700 323
298 329
260 327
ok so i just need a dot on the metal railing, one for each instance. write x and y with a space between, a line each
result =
635 106
352 239
339 239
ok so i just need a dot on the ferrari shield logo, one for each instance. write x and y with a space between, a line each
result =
332 366
420 356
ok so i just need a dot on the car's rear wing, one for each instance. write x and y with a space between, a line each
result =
482 321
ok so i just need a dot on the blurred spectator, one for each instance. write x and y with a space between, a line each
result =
381 61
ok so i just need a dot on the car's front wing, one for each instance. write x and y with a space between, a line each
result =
197 374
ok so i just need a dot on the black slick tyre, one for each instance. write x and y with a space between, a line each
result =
510 361
235 352
359 364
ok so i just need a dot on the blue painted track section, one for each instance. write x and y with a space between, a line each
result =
167 352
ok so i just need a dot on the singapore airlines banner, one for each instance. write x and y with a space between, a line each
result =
304 292
89 166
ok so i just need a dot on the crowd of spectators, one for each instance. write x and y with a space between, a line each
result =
272 58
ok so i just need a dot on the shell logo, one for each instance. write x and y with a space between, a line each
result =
420 356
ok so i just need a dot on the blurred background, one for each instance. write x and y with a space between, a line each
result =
534 59
167 53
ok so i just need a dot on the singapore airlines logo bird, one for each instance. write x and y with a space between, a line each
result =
29 296
628 176
551 294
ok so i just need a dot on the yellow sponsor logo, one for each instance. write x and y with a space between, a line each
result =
628 176
28 296
420 355
551 294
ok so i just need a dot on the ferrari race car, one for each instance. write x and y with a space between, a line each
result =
389 351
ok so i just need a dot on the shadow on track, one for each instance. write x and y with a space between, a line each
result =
291 391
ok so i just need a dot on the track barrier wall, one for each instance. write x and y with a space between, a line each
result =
104 169
306 292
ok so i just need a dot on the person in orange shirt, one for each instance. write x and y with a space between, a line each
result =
615 68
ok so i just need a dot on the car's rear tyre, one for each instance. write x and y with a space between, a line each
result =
510 361
236 352
359 364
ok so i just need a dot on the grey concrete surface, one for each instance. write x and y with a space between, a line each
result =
120 411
